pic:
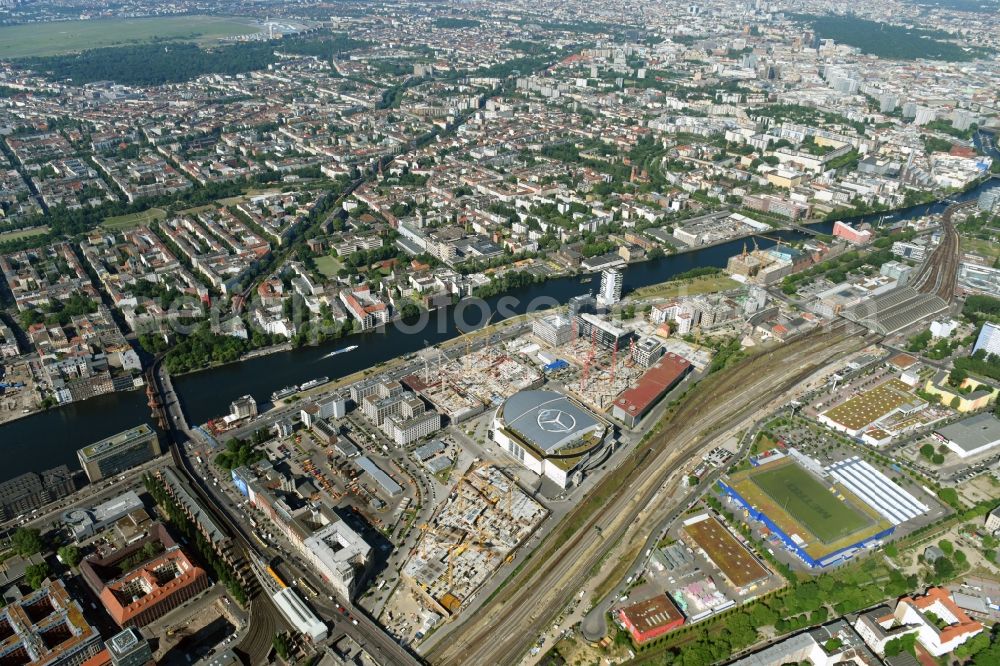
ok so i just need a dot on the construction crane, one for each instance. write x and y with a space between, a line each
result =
777 240
511 484
467 336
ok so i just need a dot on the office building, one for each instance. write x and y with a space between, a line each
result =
405 430
941 625
136 594
332 407
85 523
850 234
989 201
603 332
611 286
46 627
976 277
897 271
119 452
129 648
993 521
31 490
554 330
385 401
989 339
647 351
908 250
341 556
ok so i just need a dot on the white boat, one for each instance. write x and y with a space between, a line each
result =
313 383
283 393
341 351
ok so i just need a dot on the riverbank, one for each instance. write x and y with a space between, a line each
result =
208 393
399 361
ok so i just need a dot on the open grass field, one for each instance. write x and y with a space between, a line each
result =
700 285
123 222
981 247
328 265
22 233
732 558
871 405
809 502
45 39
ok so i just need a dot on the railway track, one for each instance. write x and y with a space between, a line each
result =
939 274
503 629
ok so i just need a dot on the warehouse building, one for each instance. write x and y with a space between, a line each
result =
664 375
383 480
651 618
972 436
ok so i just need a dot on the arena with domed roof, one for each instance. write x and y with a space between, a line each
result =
550 434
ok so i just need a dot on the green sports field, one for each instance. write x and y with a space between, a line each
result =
809 502
45 39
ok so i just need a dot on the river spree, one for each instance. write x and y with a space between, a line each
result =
44 440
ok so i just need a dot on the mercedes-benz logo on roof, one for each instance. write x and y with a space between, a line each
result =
556 420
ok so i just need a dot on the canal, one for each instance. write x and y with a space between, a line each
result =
44 440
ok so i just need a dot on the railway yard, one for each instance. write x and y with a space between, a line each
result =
621 511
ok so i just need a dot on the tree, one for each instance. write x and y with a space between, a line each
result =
70 555
281 646
973 646
944 568
35 574
956 402
28 541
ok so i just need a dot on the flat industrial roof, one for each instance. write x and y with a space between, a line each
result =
380 477
974 432
652 613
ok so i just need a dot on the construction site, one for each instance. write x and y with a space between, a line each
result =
464 387
476 530
604 372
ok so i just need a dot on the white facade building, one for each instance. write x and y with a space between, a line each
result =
340 555
611 286
989 339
